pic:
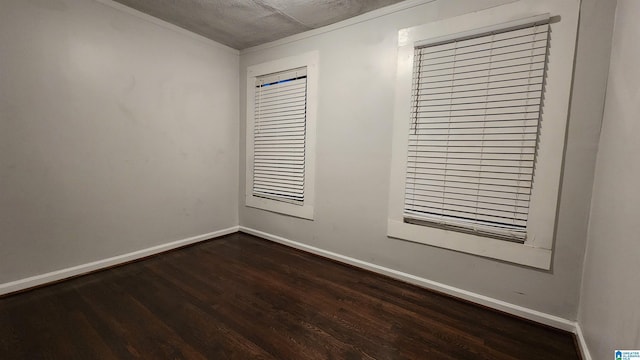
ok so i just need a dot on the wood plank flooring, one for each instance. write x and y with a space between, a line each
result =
241 297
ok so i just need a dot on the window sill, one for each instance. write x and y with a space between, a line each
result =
521 254
299 211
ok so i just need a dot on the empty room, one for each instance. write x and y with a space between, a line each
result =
319 179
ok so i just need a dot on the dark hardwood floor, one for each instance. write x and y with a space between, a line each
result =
241 297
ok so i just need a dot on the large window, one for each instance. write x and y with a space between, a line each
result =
475 110
479 130
280 135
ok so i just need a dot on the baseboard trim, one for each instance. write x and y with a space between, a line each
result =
58 275
520 311
516 310
582 343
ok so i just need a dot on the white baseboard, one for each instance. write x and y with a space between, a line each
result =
520 311
37 280
582 343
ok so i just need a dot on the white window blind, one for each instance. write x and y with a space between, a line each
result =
279 136
474 130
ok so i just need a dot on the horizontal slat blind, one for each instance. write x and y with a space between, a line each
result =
279 136
474 131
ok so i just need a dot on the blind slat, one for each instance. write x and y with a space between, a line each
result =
470 187
280 167
481 98
277 192
276 173
504 80
500 48
485 71
279 104
420 135
288 181
470 205
510 169
475 130
291 187
286 94
498 59
427 161
468 194
461 213
478 103
277 132
493 93
265 159
466 178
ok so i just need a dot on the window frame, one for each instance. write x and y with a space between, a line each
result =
306 209
536 251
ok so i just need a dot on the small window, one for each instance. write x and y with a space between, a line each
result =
475 112
280 135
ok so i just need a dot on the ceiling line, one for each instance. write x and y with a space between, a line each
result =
167 25
374 14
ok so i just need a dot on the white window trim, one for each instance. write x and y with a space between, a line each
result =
537 249
310 61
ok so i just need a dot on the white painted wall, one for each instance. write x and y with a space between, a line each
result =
610 302
356 100
116 134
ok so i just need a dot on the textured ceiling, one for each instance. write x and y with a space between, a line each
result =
244 23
